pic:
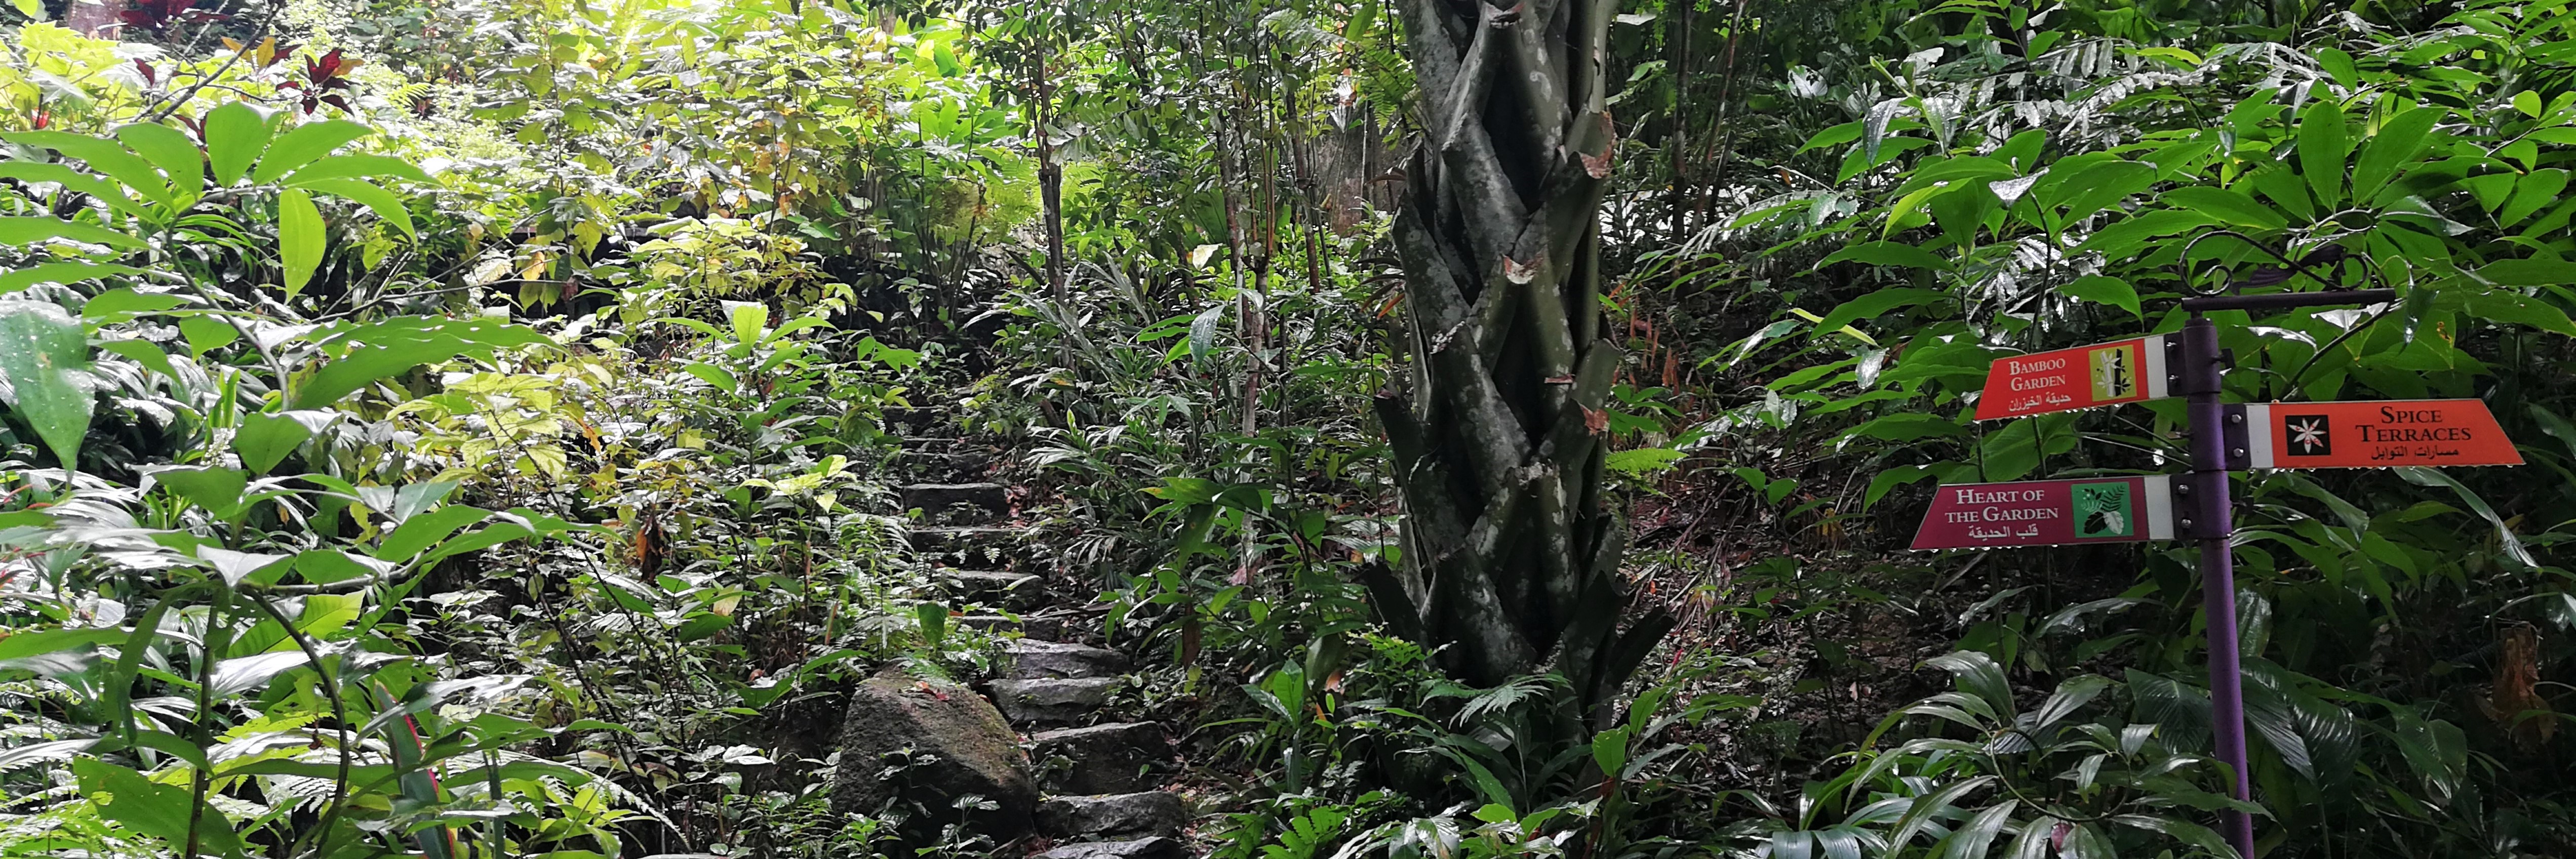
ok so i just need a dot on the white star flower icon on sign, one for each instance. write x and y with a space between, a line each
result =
2308 435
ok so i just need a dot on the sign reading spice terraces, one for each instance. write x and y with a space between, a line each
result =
2375 434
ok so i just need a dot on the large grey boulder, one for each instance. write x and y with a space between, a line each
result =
1156 847
918 746
1113 758
1151 812
1052 701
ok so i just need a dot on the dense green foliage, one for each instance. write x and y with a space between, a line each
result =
464 427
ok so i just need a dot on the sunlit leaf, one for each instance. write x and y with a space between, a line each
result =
44 359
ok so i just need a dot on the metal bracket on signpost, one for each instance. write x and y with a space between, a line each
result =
2239 436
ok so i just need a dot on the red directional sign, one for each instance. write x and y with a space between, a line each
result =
2123 371
2375 434
2049 513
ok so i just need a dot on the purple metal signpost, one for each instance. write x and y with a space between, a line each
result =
2210 517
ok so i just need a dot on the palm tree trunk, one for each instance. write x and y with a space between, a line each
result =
1512 555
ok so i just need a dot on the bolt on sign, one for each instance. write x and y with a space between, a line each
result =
2375 434
2122 371
2049 513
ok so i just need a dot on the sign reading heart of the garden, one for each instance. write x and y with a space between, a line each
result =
2049 513
2103 374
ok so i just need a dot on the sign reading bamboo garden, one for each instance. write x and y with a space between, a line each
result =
2195 505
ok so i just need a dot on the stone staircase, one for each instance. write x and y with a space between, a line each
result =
1101 776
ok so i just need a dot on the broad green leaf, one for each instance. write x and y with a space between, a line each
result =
378 200
2069 697
2512 546
219 490
122 304
243 674
355 167
2537 189
2324 143
1892 478
237 567
932 618
300 238
324 566
1833 136
363 354
266 439
206 334
2196 835
171 150
73 181
420 532
2499 305
30 229
103 156
44 357
304 144
2400 140
748 318
1888 253
1931 806
722 379
2123 240
1202 340
1977 674
61 272
2097 187
33 9
1907 427
699 627
1875 304
2035 840
2102 289
150 808
2226 206
1971 839
43 641
144 352
236 135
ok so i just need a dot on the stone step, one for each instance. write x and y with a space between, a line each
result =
1119 757
1033 659
1005 539
1112 815
1156 847
1052 701
1041 627
936 497
931 444
972 546
1016 591
958 465
915 419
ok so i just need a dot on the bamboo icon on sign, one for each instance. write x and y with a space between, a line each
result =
2113 375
